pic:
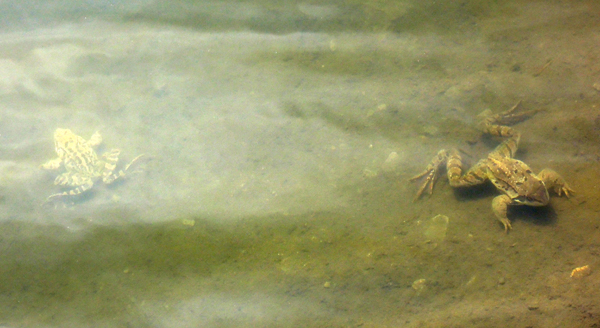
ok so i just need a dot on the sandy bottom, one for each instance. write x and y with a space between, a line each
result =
279 141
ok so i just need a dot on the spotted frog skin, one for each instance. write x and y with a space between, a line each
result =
82 165
513 178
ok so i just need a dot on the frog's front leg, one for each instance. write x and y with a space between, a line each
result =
553 181
95 140
76 180
52 164
500 208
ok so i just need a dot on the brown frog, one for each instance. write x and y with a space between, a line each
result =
513 178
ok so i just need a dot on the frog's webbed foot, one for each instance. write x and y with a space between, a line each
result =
80 183
500 208
555 182
510 116
431 173
134 164
63 198
54 201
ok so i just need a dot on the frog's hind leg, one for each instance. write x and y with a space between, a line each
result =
454 168
431 172
510 116
80 183
476 175
111 158
135 162
508 148
497 125
110 164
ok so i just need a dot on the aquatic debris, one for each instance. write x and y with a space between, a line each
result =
436 228
581 272
188 222
541 70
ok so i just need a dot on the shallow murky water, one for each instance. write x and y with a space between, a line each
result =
279 140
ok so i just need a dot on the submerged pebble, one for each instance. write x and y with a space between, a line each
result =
419 285
436 228
581 272
391 163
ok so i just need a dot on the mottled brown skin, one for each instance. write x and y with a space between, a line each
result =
513 178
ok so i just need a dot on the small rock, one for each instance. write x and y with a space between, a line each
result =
419 285
581 272
188 222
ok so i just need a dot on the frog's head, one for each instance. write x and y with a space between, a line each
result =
62 137
535 194
61 134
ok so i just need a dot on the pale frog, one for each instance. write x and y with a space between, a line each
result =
82 165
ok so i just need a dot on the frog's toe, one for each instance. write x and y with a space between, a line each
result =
57 201
507 225
427 185
564 189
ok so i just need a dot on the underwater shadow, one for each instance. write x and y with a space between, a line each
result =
542 215
257 269
444 17
54 272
